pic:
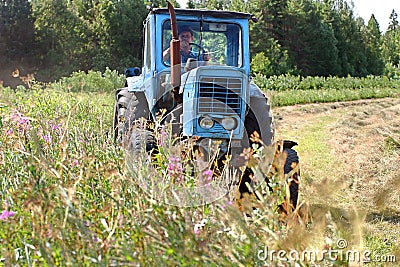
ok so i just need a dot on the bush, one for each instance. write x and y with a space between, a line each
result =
93 81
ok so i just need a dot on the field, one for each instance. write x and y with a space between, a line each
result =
67 198
350 163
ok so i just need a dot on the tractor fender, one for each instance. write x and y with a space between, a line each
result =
260 107
287 144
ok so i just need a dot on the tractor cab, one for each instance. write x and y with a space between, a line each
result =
219 39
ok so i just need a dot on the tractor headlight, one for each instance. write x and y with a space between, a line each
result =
206 122
229 123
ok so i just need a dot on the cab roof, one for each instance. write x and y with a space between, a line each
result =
205 12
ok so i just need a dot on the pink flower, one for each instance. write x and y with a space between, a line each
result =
175 169
9 132
75 162
5 214
163 138
23 122
47 138
207 175
55 126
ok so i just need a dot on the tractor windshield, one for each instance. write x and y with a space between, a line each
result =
212 42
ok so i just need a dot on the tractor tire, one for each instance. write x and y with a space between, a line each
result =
173 118
127 110
141 141
252 126
292 161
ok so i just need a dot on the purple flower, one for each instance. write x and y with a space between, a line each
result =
55 126
175 169
47 138
207 175
9 132
75 162
23 122
5 214
163 138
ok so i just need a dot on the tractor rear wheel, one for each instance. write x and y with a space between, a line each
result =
292 161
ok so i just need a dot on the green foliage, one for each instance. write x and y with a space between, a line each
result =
16 30
373 40
391 42
392 71
82 35
321 38
315 53
290 89
275 63
92 81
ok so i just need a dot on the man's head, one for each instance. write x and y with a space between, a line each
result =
186 34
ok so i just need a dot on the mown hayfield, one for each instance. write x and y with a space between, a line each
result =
67 199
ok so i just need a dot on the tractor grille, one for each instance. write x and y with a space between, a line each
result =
220 95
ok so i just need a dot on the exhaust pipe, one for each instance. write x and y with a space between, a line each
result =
175 47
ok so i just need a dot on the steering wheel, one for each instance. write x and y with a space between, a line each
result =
201 50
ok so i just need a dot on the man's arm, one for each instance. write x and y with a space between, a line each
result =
166 54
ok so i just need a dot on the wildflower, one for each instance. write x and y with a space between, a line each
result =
75 162
9 132
5 214
199 226
175 169
207 175
54 127
47 138
23 122
163 138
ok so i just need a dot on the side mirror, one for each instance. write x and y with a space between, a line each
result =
130 72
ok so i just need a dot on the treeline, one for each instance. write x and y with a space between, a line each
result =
301 37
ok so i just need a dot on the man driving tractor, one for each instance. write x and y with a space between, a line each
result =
186 37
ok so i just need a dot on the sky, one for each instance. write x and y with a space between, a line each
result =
380 8
365 8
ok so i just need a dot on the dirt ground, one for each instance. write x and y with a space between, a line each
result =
350 158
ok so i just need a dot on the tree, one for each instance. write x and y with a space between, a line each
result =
83 35
312 43
63 37
391 42
350 44
372 37
16 31
268 37
393 23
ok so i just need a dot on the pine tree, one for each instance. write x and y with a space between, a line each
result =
372 37
391 42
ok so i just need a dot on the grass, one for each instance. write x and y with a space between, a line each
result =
293 97
349 169
68 199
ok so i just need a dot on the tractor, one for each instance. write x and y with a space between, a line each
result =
206 103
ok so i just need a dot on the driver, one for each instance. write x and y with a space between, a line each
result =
186 37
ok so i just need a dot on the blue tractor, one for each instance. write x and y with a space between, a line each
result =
207 96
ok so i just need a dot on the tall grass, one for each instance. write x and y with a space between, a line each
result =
67 198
